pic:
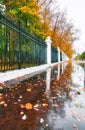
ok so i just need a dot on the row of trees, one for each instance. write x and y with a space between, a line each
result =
43 18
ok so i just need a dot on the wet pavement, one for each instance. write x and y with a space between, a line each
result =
52 100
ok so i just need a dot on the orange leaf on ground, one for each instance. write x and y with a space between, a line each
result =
28 106
22 105
29 89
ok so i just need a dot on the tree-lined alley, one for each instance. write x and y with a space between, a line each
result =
43 18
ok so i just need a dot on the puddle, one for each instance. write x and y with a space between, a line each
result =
52 100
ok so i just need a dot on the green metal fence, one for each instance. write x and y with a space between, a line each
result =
54 55
18 48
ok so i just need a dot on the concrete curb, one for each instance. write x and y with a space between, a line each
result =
24 73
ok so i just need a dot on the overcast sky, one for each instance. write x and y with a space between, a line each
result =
76 12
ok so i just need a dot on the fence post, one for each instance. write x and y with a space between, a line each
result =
48 42
58 54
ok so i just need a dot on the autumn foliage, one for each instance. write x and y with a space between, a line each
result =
43 18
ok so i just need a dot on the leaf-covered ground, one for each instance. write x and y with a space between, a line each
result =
29 105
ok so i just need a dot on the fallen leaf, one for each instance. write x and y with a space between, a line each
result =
22 105
70 96
44 99
55 105
15 103
74 125
83 88
78 93
74 112
1 87
78 119
78 105
53 97
28 106
54 118
37 105
19 100
29 90
36 109
24 117
46 125
38 101
21 113
20 96
41 120
2 102
74 116
5 105
44 104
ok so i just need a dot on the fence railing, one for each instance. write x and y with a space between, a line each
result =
20 49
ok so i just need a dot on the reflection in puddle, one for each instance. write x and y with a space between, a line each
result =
67 111
48 79
78 75
53 100
58 72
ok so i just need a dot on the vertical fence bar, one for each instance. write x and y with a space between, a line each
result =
54 55
19 49
0 43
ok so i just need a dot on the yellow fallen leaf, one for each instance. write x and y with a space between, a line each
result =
83 88
44 104
5 105
74 125
29 89
28 106
2 102
74 112
9 87
44 99
1 87
78 119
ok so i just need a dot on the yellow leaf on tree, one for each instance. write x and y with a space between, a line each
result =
24 9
